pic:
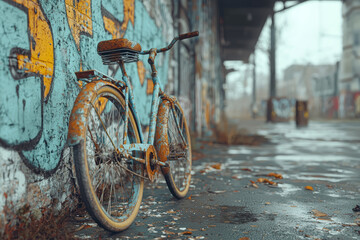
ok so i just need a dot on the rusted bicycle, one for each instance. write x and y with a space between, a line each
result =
110 155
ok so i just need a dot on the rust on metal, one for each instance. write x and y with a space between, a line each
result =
120 43
161 136
151 166
77 122
188 35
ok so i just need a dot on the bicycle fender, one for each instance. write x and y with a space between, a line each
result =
161 137
77 122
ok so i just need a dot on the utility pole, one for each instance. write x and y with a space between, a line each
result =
273 58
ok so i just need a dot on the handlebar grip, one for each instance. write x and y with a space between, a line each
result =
188 35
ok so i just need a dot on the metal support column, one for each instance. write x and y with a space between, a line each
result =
253 105
273 58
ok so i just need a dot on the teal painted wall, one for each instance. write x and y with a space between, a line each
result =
34 122
44 42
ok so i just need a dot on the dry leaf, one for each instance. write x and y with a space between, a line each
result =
276 175
211 225
318 213
265 180
309 188
267 203
85 226
192 230
246 169
261 180
189 197
216 166
211 216
171 211
186 233
254 185
254 226
244 238
252 181
168 232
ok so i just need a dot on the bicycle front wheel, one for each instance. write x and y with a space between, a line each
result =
178 174
110 185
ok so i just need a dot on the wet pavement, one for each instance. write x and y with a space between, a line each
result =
227 201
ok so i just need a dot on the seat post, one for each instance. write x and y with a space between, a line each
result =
122 67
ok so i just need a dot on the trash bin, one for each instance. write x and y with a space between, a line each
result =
301 114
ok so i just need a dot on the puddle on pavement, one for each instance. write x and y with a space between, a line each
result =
228 215
242 150
287 189
236 215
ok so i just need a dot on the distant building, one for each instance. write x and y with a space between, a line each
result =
314 83
349 84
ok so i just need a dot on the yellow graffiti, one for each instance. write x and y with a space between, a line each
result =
116 28
79 18
150 87
141 71
41 59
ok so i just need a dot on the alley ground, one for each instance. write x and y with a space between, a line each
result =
223 203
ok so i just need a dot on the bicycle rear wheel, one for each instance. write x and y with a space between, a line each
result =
178 174
109 185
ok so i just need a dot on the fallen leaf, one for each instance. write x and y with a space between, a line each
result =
168 232
318 213
211 225
202 171
267 203
276 175
252 181
235 191
192 230
265 180
254 185
85 226
309 188
293 206
236 177
254 226
5 195
246 169
189 197
171 211
244 238
216 166
261 180
186 233
211 216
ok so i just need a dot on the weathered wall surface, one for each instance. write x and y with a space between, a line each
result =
43 43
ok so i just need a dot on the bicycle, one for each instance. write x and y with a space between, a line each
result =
110 156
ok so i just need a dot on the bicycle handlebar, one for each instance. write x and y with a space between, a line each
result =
188 35
180 37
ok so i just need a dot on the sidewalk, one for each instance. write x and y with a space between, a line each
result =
233 196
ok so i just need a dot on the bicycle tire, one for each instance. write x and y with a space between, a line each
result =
99 170
178 155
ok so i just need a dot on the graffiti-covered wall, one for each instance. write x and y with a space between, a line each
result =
44 42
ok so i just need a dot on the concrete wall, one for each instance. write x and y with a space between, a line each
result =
44 42
349 82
